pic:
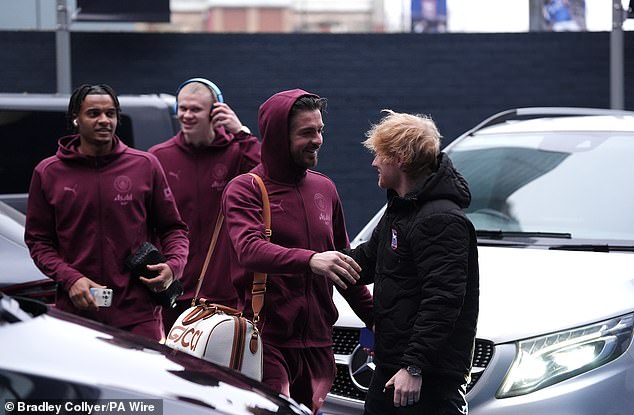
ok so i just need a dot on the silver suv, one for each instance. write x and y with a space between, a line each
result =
555 224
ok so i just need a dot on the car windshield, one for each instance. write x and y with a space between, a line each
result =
572 183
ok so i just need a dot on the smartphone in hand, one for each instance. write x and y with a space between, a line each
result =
103 296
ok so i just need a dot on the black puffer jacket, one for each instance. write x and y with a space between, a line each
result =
423 260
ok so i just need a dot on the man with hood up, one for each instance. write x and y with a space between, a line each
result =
422 258
211 148
94 203
301 258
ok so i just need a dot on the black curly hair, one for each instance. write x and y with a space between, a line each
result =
78 96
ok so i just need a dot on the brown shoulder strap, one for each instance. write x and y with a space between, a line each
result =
259 278
212 244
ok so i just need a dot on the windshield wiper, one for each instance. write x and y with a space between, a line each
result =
593 248
500 234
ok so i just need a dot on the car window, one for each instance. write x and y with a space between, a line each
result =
31 136
572 183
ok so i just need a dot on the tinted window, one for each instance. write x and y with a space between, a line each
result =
570 183
31 136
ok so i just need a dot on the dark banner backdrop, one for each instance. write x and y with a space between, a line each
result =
459 79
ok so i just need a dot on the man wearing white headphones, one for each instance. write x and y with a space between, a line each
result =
211 148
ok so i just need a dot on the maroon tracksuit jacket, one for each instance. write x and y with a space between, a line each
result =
307 217
85 216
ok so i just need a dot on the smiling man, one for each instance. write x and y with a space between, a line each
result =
94 203
423 261
301 259
212 147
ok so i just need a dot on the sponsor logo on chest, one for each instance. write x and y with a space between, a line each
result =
123 186
324 214
219 177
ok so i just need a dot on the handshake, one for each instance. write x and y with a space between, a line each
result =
137 263
338 267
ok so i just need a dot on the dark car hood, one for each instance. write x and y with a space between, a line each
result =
115 363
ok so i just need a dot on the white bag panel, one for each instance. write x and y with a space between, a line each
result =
213 339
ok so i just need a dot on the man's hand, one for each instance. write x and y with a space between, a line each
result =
223 115
406 388
338 267
80 295
162 281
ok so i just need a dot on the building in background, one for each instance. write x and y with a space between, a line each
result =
274 16
328 16
248 16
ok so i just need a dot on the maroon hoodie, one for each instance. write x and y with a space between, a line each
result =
86 214
197 177
307 217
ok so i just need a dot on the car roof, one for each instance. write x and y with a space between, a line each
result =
41 101
598 123
554 119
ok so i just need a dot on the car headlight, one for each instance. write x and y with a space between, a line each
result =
545 360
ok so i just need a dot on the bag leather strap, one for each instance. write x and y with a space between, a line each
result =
259 278
212 245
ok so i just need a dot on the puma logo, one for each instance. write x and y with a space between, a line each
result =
277 205
174 175
73 189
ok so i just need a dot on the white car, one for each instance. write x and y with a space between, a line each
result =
20 276
553 206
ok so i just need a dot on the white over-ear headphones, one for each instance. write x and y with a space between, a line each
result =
215 91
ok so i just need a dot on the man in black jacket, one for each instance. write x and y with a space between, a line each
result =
423 260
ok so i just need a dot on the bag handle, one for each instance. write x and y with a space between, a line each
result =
222 308
259 278
205 310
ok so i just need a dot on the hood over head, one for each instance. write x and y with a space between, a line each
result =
273 121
